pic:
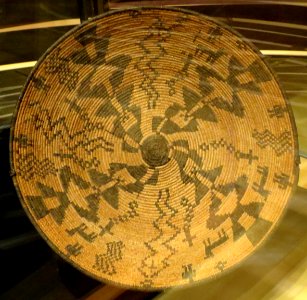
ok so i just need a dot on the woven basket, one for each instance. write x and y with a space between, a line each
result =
153 148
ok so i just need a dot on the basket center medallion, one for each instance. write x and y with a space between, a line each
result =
155 150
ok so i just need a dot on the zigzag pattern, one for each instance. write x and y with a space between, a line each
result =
105 262
90 145
166 214
51 129
230 148
280 144
218 144
130 214
147 61
176 230
152 251
29 167
189 215
83 163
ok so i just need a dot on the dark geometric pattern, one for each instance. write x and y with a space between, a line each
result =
200 50
236 69
184 118
81 230
219 193
30 167
111 194
189 208
40 210
105 263
163 222
55 64
130 214
85 38
75 158
153 50
212 56
147 61
222 143
40 84
23 141
259 187
278 111
283 180
82 56
181 154
127 122
215 34
73 249
209 246
59 129
180 75
144 140
280 144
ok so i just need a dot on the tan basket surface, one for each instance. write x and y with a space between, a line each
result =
154 148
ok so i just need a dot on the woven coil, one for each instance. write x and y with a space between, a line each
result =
153 148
